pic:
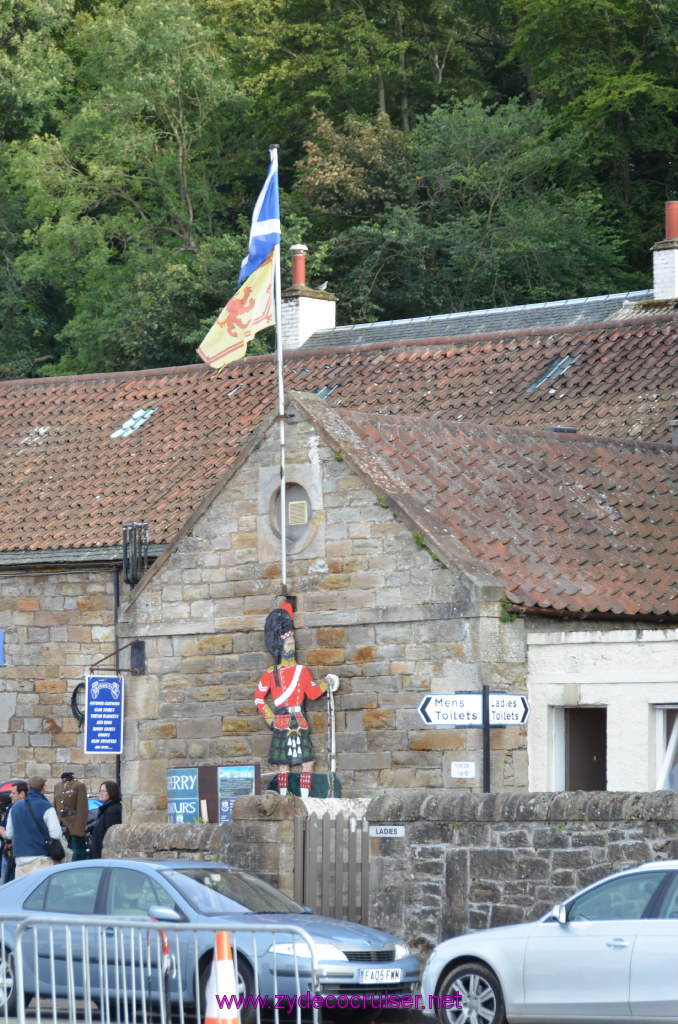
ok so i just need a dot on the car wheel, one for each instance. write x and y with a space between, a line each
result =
472 995
8 994
244 986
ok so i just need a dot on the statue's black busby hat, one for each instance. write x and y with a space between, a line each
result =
278 625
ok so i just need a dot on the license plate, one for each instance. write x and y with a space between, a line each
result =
379 975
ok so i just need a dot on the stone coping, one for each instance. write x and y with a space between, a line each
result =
425 805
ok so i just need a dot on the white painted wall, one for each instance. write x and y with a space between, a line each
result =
303 315
665 269
630 672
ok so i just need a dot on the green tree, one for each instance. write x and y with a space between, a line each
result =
357 57
33 64
480 219
610 69
143 172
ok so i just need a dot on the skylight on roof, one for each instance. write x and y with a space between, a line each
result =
556 369
135 421
325 391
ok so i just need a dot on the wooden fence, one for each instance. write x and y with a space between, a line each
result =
332 866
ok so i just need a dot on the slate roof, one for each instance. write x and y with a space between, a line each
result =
72 477
479 321
567 522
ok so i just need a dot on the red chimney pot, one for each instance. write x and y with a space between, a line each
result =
671 217
299 264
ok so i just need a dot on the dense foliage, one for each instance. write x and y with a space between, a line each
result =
435 155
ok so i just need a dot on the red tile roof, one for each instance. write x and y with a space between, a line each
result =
568 522
67 483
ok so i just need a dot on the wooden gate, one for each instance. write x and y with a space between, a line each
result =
332 866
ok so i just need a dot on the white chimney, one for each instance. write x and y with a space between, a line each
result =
304 310
665 257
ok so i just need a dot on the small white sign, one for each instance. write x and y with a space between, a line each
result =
463 769
388 831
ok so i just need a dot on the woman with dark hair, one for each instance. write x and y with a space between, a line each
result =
110 813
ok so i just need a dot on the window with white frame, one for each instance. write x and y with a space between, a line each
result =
667 748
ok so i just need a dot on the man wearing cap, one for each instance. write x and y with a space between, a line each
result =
70 801
288 684
23 828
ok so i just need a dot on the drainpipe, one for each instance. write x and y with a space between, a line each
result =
116 601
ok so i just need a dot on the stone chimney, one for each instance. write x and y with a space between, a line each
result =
665 257
304 310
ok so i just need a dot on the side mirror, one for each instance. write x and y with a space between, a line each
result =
168 914
560 913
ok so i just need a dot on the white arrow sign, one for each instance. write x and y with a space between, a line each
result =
509 709
465 710
461 709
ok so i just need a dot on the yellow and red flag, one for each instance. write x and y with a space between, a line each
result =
247 313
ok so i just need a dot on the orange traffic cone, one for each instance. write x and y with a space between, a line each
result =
222 992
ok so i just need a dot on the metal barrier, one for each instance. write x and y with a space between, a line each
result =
111 970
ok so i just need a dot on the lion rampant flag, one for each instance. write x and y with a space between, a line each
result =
249 311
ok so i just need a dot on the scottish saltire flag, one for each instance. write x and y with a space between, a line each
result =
249 311
265 230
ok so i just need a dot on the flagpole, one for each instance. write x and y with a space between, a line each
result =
273 150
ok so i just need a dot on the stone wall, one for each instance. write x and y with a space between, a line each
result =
466 861
469 861
56 624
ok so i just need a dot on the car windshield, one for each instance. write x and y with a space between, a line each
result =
225 891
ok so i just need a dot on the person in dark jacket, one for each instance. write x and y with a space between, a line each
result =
110 813
70 802
28 824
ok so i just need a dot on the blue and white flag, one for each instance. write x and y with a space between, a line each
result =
265 230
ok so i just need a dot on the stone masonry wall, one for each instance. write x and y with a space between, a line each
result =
466 862
56 624
475 861
372 606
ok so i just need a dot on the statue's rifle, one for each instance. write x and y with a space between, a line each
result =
331 743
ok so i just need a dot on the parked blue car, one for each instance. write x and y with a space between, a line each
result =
353 960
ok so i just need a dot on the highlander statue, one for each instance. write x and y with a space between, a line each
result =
288 684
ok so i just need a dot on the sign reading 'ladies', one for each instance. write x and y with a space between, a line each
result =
103 714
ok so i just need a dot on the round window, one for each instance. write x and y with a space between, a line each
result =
297 512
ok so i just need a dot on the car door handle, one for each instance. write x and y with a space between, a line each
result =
618 944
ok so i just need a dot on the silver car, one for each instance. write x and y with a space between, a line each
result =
352 958
608 954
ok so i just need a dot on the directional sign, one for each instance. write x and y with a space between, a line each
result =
465 710
509 709
460 709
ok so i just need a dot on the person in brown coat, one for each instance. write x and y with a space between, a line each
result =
70 801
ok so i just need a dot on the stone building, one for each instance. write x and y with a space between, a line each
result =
445 537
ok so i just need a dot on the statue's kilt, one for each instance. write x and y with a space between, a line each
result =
279 752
